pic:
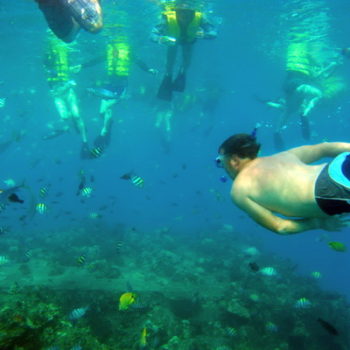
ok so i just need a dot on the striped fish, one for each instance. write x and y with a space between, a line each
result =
136 180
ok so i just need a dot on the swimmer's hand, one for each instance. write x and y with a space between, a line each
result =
333 223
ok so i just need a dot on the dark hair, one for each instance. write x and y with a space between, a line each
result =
241 145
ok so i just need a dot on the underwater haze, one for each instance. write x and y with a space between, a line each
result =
138 245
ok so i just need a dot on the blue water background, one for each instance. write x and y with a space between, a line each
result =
180 186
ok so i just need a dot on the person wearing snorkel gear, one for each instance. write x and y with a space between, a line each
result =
285 193
119 58
61 85
303 89
66 17
182 24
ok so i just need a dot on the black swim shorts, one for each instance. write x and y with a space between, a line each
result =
332 187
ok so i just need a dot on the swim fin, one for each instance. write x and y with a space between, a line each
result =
179 83
305 127
165 91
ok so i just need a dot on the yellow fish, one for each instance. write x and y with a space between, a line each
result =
143 338
337 246
126 300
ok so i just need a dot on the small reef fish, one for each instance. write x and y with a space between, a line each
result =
9 195
15 199
119 246
126 300
43 191
230 331
97 152
251 251
82 182
316 275
28 254
135 179
81 260
78 313
143 338
94 215
337 246
268 271
4 229
303 303
254 266
41 208
86 192
3 260
327 326
223 179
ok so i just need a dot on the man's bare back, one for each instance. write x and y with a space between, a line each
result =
284 192
282 184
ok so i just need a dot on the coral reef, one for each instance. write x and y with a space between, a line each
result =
195 292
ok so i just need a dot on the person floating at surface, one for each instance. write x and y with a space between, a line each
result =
304 87
66 17
62 86
284 192
181 26
119 58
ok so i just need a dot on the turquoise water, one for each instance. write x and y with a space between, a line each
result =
178 242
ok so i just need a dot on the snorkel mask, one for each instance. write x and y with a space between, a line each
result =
219 160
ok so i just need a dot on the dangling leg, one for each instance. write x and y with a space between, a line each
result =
180 81
103 139
165 91
62 127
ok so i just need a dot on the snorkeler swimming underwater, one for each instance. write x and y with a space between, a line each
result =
256 190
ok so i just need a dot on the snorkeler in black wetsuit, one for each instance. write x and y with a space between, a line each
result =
66 17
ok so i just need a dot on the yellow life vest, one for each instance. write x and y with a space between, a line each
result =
173 28
118 58
298 58
57 59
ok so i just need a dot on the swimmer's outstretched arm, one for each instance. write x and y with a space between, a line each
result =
313 153
282 226
267 219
